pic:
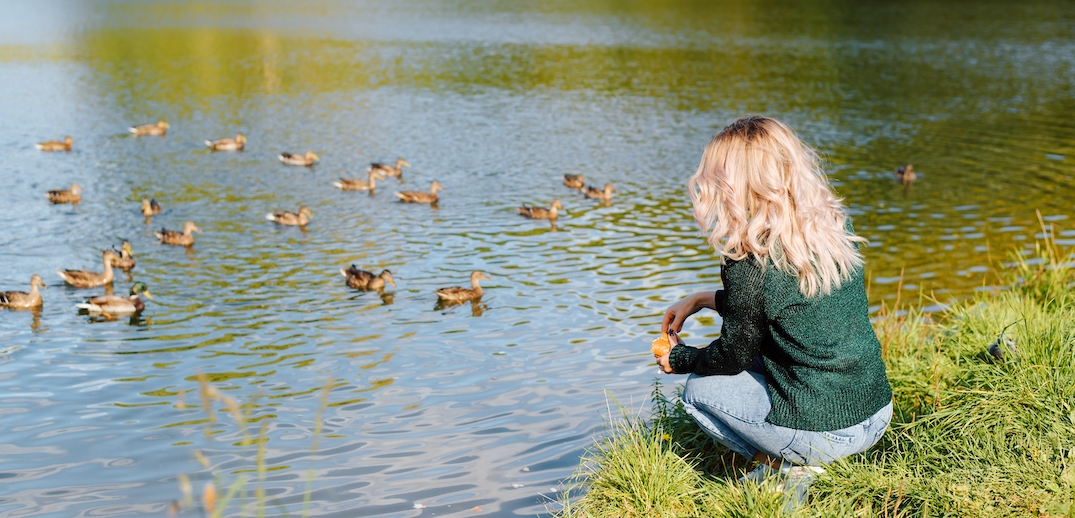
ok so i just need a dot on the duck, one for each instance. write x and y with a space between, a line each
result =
388 170
55 145
357 184
158 128
21 299
575 181
150 207
227 144
72 195
300 218
601 194
460 294
905 174
363 280
305 160
184 238
124 258
109 305
541 213
88 279
420 196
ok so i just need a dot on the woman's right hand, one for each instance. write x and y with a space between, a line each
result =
675 315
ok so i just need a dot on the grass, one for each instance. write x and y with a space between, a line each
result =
972 435
237 484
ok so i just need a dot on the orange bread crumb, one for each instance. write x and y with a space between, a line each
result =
660 346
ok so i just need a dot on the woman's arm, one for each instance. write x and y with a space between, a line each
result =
678 313
742 331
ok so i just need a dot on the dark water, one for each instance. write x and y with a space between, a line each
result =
489 404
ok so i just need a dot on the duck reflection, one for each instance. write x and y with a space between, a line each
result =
477 307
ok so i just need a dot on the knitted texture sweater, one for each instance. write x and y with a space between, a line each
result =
823 359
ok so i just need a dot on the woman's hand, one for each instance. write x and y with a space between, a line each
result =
678 313
664 365
665 362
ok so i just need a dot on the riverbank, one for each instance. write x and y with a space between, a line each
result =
973 434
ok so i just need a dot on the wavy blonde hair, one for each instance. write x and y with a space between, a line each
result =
760 191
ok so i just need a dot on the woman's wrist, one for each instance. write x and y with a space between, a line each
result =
705 299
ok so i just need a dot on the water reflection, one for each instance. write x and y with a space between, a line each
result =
495 101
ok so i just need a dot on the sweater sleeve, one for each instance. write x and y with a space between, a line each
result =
743 329
720 300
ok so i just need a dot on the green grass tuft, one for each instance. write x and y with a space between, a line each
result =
972 435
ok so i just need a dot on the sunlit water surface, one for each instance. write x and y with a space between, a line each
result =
486 405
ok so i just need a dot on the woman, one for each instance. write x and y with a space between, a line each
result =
796 378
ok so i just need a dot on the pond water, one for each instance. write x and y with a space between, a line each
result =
486 405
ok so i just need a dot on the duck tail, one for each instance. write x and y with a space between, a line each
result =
209 143
92 308
339 185
270 217
133 129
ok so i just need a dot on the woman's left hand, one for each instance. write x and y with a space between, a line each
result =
664 364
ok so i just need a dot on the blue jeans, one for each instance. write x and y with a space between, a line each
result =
732 410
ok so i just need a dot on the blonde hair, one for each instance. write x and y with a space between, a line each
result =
760 191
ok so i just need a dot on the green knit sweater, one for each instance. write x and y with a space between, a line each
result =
823 359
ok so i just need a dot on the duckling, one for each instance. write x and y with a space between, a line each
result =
905 174
388 170
21 299
356 184
154 129
575 181
109 305
172 237
363 280
124 258
460 294
541 213
422 197
594 192
55 145
306 160
227 144
300 218
150 207
88 279
72 195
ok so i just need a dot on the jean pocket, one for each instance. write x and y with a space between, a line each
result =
836 439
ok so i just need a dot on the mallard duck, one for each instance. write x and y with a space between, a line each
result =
150 207
601 194
158 128
21 299
905 174
575 181
124 258
88 279
72 195
388 170
184 238
422 197
55 145
356 184
307 160
109 305
541 213
300 218
460 294
227 144
363 280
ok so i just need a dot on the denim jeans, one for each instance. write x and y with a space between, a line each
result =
732 410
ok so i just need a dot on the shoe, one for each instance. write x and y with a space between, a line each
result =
797 481
794 481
